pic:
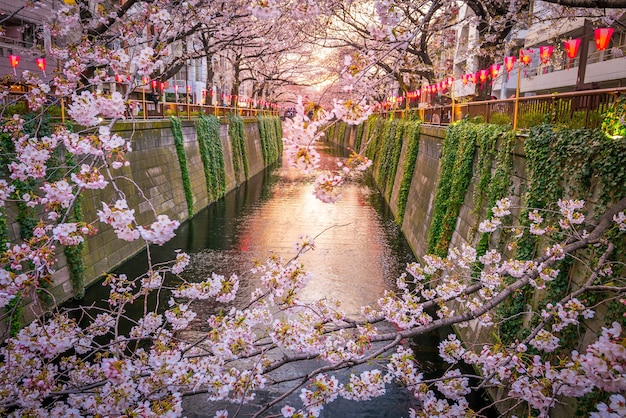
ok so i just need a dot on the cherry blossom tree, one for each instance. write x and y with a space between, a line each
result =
101 361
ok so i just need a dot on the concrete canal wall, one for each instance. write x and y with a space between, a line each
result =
152 184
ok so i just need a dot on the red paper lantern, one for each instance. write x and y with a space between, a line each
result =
465 79
509 63
14 60
482 75
571 47
545 52
494 69
526 56
473 77
603 37
188 89
118 78
162 86
450 81
154 85
41 63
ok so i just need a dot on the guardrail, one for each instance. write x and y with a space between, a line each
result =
576 109
144 109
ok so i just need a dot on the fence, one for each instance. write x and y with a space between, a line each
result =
145 109
576 109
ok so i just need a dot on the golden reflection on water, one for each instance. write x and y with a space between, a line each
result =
350 255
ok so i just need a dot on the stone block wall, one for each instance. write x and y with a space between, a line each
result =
152 185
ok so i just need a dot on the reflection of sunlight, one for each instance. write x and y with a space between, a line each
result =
347 263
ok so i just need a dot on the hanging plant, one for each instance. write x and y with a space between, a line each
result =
182 160
614 120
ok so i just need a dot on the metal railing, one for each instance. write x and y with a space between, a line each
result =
576 109
144 109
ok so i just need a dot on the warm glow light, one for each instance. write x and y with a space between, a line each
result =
526 56
495 70
188 89
154 84
482 75
176 88
509 63
41 63
14 60
571 47
545 52
603 37
473 77
465 78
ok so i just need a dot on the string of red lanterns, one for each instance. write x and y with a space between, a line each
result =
602 38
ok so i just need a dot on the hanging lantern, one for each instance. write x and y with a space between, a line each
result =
41 63
450 81
188 89
473 77
571 49
162 86
526 56
482 75
465 79
14 60
509 63
603 37
154 85
176 88
144 80
494 69
545 52
119 78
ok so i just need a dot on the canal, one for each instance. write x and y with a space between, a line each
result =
359 253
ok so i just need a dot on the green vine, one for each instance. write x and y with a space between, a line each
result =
236 135
212 155
412 136
386 164
270 140
182 160
456 172
613 124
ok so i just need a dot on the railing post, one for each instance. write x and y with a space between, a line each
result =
516 105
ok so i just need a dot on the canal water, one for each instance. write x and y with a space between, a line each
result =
359 253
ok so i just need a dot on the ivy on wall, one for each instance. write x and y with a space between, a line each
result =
271 141
412 136
182 160
457 159
236 135
212 155
495 145
386 152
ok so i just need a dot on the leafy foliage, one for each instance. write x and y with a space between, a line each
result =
236 135
212 155
182 160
